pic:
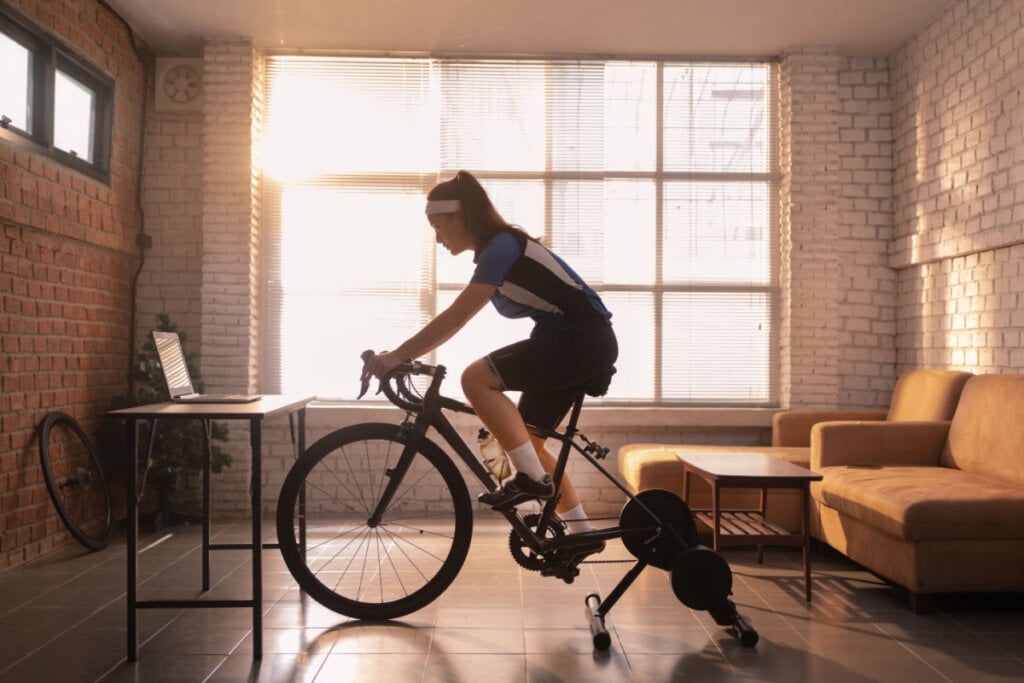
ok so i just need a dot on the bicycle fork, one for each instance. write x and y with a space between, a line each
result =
414 432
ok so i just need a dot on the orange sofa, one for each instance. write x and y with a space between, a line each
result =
918 395
934 506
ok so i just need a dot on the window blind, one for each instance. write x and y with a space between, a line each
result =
654 180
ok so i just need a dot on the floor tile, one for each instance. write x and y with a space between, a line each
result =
64 619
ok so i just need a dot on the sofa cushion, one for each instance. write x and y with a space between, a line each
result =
925 503
657 466
926 395
987 433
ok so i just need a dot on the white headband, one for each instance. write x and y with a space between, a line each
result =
443 206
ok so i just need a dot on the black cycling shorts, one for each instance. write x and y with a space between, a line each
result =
549 369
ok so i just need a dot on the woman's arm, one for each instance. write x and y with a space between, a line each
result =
439 330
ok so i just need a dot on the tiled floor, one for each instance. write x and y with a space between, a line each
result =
63 621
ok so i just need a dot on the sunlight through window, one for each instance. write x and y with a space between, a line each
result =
667 214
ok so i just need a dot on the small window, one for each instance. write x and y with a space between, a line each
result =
15 78
51 99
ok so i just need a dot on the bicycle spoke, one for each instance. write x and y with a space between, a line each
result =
361 558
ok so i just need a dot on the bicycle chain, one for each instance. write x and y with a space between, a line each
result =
603 519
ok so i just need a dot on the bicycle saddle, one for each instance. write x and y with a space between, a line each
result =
598 384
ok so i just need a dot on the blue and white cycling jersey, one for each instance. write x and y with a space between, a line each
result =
534 282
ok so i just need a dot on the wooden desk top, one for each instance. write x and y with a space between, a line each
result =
267 406
750 469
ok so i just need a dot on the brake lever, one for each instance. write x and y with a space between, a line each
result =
365 376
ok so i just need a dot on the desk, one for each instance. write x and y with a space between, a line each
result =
255 413
741 527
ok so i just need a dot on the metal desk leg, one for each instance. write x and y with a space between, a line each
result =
255 436
133 539
207 466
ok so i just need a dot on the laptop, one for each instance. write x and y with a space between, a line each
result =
179 382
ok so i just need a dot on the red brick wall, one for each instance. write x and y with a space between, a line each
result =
67 256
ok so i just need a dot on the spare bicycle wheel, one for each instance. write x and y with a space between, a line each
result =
657 525
75 480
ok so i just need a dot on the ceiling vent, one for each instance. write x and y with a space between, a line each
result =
179 84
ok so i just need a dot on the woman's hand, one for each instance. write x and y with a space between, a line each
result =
381 364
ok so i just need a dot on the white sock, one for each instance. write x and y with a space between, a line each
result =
576 520
524 459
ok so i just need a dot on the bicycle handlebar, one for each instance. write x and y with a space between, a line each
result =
395 384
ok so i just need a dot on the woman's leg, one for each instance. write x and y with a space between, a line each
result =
494 408
501 417
570 498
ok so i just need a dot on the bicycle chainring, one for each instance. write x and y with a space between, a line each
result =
522 553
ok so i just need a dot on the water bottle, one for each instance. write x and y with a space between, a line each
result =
494 456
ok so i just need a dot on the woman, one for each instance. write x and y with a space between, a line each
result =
572 339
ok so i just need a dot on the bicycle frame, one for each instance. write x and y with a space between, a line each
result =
430 414
655 526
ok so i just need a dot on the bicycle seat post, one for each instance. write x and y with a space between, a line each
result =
567 440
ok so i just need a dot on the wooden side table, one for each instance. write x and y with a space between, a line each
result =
744 527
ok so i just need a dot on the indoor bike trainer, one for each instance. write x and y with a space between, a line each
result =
375 520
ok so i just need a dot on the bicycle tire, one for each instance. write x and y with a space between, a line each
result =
75 480
365 570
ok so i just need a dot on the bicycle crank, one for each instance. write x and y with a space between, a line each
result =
522 553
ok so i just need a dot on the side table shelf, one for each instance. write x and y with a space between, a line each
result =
742 527
742 524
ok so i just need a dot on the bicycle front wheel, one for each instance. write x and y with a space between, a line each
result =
75 480
386 531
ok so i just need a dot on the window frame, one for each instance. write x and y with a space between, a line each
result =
50 55
771 289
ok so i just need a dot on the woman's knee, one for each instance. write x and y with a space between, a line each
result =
475 378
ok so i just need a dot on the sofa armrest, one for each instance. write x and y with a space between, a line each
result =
875 444
793 427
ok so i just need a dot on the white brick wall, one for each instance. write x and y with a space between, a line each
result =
838 310
959 189
231 200
232 78
866 364
170 279
809 156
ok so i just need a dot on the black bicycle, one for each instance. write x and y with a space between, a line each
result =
75 480
374 520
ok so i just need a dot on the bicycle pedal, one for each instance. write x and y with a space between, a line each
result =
561 571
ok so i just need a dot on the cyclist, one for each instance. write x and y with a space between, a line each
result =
571 344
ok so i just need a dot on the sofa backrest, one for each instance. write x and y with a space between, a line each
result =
986 436
926 395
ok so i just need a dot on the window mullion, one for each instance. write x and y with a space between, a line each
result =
659 191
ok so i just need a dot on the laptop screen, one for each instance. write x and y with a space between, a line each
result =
172 359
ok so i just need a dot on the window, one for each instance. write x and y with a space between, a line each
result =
52 100
654 180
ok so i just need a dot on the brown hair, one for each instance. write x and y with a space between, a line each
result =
482 220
